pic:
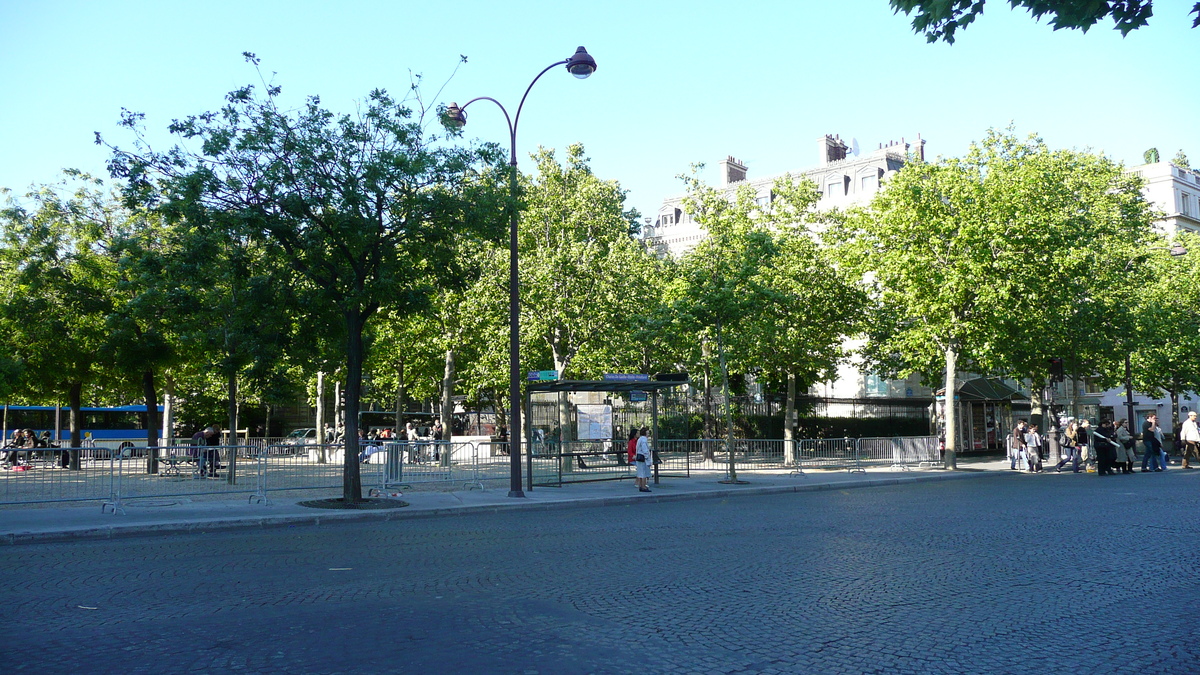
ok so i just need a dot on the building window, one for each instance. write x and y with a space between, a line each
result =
834 189
869 183
875 385
1185 204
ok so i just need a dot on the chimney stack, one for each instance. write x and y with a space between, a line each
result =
732 171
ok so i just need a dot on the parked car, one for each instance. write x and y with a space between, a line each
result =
304 436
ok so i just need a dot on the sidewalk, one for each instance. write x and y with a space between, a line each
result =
165 516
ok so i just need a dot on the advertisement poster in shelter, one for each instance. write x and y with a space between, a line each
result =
594 422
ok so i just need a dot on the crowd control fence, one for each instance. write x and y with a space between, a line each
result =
113 472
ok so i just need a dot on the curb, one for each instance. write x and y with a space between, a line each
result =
326 518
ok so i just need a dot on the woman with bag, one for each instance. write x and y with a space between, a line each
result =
1126 456
1071 446
642 460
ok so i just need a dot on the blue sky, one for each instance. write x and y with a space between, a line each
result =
677 83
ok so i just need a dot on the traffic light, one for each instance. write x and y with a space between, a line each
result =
1056 370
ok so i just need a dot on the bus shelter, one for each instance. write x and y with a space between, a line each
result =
985 412
571 432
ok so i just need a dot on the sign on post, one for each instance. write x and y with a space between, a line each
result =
626 377
542 375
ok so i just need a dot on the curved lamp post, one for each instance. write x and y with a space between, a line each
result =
581 65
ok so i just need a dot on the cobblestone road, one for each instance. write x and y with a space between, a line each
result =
1017 574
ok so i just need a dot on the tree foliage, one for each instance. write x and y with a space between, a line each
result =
940 19
360 207
998 261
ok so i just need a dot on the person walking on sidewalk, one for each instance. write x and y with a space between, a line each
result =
1070 448
1152 443
1189 433
642 460
1016 450
1033 449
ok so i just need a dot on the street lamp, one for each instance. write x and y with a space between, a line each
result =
581 65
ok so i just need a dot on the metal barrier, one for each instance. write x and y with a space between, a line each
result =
397 465
900 452
41 478
185 471
114 471
553 464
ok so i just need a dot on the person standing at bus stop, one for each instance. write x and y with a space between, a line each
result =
642 460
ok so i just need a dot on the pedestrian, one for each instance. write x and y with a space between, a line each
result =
1087 453
410 434
1189 433
1016 446
437 433
1070 447
1127 455
1105 446
631 445
213 440
1151 444
642 460
1033 449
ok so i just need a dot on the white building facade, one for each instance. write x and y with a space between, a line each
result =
844 178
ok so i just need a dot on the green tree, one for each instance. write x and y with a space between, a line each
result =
360 207
995 262
718 288
581 274
1167 328
939 19
1181 160
58 277
1151 156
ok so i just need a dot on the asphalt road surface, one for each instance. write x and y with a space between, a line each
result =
1012 574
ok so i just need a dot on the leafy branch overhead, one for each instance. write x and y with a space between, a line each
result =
940 19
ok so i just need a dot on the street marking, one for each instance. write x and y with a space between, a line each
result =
340 569
82 607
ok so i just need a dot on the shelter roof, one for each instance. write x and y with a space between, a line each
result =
598 385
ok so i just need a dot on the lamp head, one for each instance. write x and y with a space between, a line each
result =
581 64
1178 250
455 116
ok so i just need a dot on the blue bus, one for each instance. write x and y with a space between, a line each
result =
123 422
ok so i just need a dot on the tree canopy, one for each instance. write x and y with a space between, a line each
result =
360 207
998 261
940 19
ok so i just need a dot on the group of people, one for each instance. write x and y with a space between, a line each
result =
208 456
1110 448
24 440
638 449
373 441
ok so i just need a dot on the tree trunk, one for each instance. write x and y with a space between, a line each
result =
709 431
151 395
267 423
168 420
447 416
321 440
401 403
732 478
789 422
339 420
231 390
351 480
950 458
74 394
